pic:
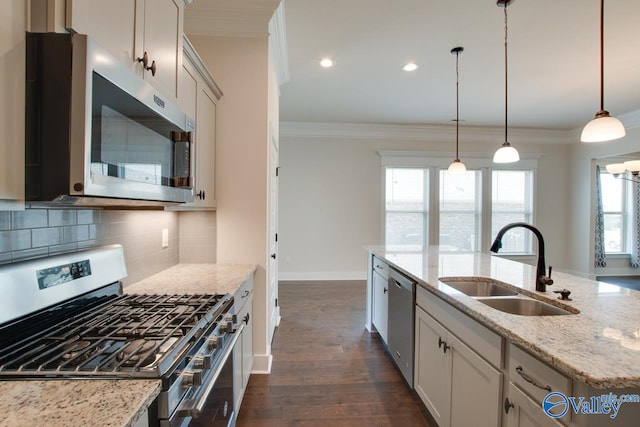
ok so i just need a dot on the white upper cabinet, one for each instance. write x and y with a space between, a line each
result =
198 96
13 24
138 32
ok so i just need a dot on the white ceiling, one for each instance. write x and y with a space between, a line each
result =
553 61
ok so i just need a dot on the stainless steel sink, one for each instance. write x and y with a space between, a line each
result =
524 306
478 286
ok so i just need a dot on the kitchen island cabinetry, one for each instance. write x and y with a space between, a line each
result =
499 367
198 96
458 387
134 30
380 303
243 352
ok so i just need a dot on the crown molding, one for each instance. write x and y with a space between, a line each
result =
426 133
278 44
193 57
229 18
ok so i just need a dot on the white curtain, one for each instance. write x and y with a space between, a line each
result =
600 259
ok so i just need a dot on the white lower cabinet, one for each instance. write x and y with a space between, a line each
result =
521 411
243 352
458 386
380 305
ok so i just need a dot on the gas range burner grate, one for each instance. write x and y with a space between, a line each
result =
126 335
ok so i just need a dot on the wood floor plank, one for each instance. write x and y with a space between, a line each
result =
327 369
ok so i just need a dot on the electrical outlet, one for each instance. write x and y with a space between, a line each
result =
165 237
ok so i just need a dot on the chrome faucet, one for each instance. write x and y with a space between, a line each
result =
542 281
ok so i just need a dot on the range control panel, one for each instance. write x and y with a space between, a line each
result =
58 275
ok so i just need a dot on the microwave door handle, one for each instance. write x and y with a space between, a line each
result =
183 174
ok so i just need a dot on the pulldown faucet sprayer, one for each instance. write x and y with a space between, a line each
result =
542 280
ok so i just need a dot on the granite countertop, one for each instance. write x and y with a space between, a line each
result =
75 403
117 402
194 278
599 346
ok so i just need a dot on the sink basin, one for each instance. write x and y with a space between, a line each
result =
478 287
524 306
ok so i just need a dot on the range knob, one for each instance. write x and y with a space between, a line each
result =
215 342
191 379
202 362
227 323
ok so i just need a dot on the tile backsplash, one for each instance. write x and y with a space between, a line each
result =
39 232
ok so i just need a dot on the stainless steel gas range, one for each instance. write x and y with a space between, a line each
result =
66 317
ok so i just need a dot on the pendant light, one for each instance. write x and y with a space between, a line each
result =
506 153
457 166
603 127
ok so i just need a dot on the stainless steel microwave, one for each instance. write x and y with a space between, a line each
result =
97 133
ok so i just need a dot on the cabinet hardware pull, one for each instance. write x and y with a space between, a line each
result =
152 68
246 294
246 319
379 266
144 59
201 195
508 405
441 342
273 256
530 380
385 290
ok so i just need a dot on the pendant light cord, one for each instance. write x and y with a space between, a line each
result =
506 76
601 55
457 104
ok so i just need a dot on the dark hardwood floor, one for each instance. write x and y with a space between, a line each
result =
327 369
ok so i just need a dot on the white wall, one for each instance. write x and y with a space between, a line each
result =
330 191
240 67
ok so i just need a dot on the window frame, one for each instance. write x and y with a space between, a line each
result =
426 191
434 162
625 213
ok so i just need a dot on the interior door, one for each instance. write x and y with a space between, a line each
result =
274 319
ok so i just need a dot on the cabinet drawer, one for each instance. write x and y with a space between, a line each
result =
525 412
534 377
381 267
242 295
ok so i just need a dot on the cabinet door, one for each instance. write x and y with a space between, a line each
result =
205 148
111 23
525 412
163 43
380 305
13 19
432 376
475 388
247 343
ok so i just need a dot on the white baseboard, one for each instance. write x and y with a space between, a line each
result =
321 275
262 364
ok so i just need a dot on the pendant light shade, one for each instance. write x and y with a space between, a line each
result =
603 127
457 166
506 153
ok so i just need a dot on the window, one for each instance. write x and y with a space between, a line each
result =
426 205
511 201
406 206
459 210
614 210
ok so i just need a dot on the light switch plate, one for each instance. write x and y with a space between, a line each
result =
165 237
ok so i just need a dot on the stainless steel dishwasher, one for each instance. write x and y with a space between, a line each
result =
401 315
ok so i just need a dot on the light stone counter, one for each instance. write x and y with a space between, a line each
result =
194 278
600 346
75 403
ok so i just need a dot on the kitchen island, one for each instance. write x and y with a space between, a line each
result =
112 402
596 349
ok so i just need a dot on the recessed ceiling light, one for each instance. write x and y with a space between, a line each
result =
326 63
410 66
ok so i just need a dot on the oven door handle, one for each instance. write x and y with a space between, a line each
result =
199 405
